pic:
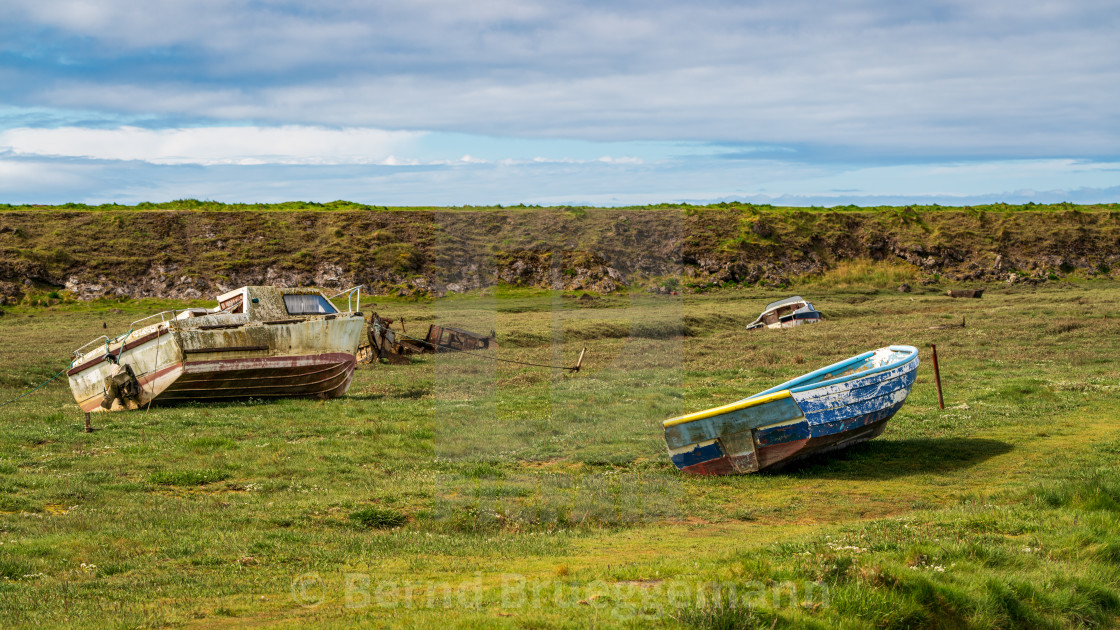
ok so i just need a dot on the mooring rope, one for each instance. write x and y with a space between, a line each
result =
473 352
36 388
108 352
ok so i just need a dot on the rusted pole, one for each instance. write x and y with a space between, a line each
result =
937 377
89 427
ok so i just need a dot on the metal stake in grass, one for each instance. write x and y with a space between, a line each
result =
937 377
89 427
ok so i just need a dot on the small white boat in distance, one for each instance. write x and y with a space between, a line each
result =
257 342
787 313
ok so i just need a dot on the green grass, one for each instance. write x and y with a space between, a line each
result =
463 492
859 275
188 477
378 518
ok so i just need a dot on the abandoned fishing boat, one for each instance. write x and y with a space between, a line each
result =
832 408
786 313
257 342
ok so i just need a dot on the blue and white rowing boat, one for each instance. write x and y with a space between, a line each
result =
832 408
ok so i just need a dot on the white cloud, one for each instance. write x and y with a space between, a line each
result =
996 77
286 145
214 145
499 86
27 179
607 159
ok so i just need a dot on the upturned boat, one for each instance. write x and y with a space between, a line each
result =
834 407
257 342
787 313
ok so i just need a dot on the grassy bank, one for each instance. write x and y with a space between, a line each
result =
193 249
465 492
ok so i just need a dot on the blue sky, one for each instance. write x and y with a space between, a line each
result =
604 103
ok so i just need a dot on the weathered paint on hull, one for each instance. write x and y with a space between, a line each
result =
154 362
835 407
253 360
326 375
775 456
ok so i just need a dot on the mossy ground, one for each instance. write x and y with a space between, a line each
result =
534 498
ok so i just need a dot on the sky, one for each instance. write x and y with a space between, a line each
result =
606 102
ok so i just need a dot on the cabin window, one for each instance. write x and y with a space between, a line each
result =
309 304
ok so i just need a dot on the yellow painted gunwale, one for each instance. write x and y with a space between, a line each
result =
715 411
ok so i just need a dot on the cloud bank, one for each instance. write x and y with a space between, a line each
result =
777 87
213 145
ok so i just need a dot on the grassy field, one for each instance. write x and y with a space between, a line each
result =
465 492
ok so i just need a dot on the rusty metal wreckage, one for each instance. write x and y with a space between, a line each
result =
396 348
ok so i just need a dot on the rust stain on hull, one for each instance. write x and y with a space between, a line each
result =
325 375
275 344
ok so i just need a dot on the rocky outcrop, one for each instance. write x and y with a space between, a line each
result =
197 254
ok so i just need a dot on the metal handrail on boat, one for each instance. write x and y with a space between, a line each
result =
78 352
161 315
165 316
357 303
